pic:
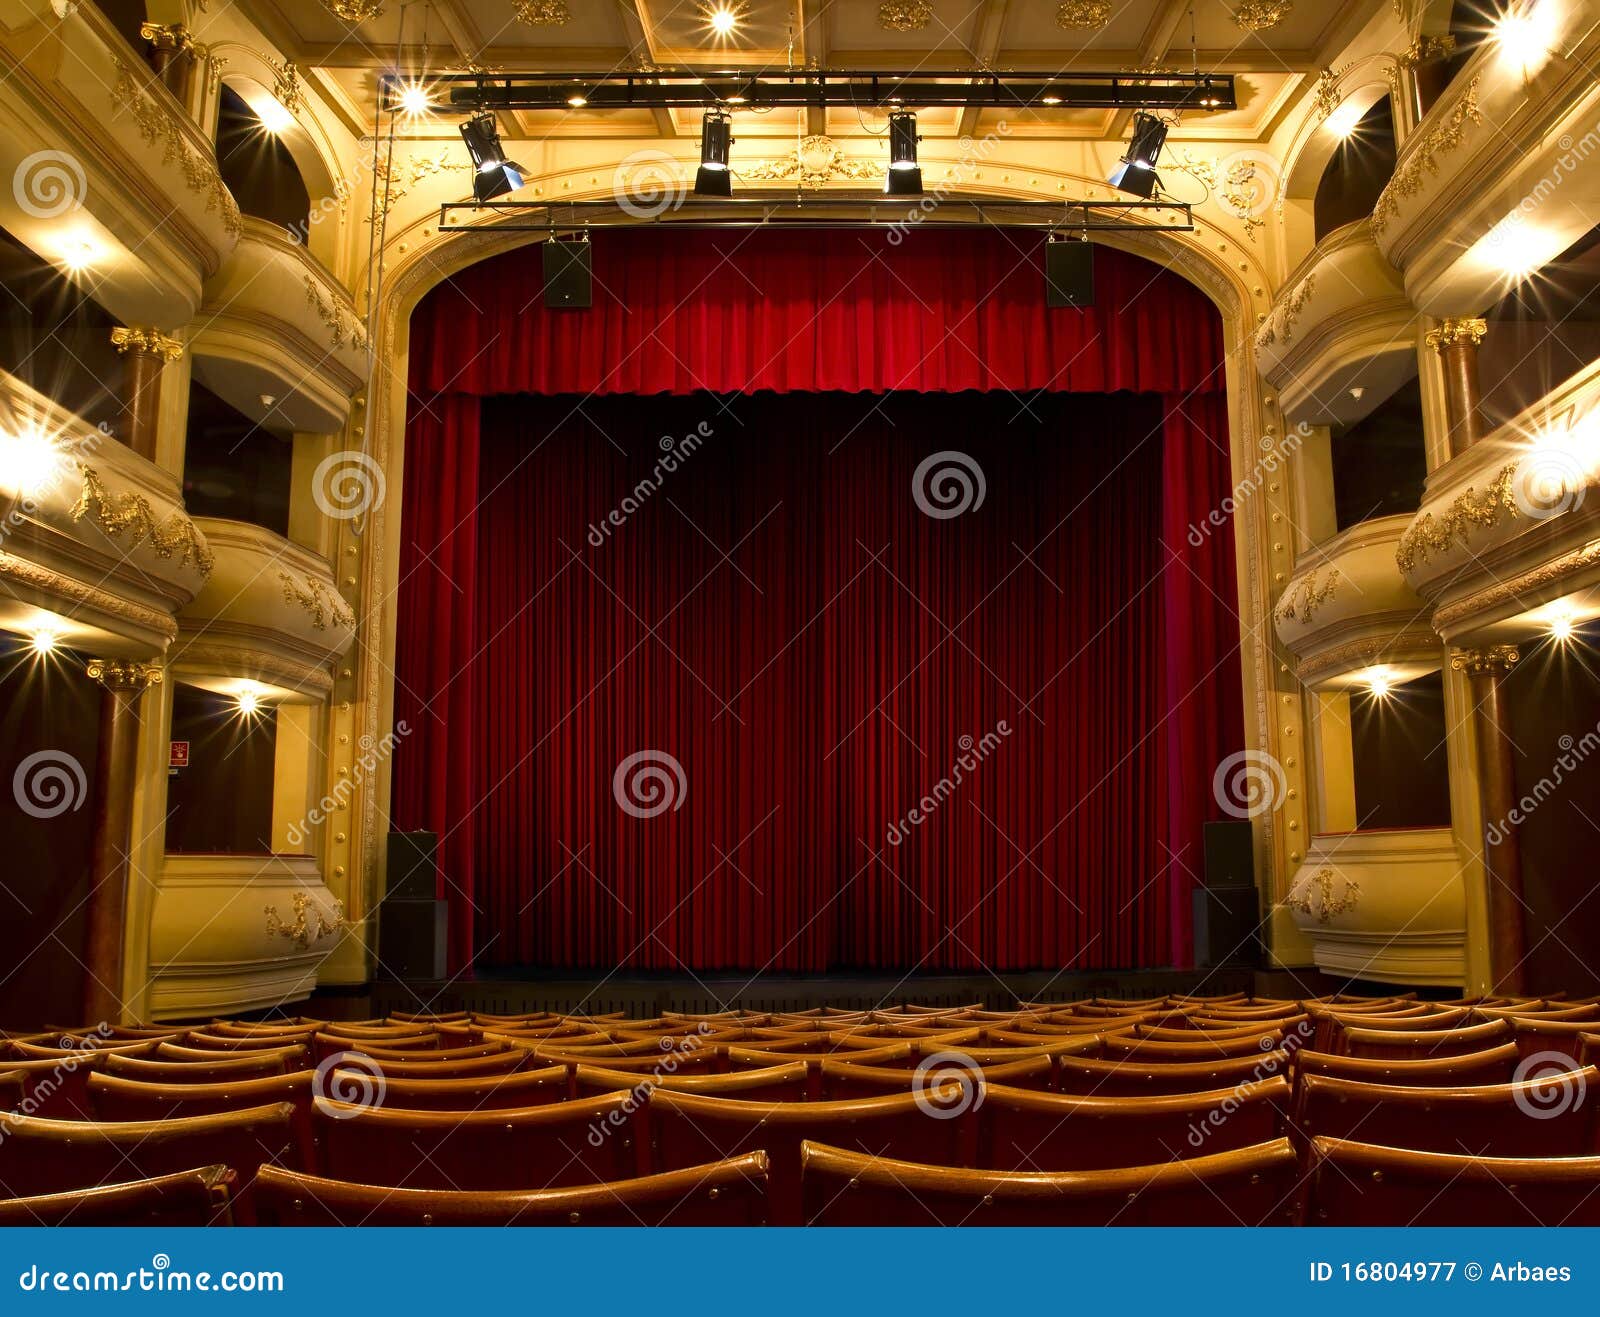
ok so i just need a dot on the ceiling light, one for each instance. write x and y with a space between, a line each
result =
1210 96
249 702
1358 392
415 100
904 178
1561 628
78 254
44 642
577 100
722 20
1050 100
1516 248
1525 34
29 462
1379 684
493 174
274 116
1344 120
713 178
1137 173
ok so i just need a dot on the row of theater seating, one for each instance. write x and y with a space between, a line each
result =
1174 1110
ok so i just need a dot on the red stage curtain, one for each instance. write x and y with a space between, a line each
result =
526 680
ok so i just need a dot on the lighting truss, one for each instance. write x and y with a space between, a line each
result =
819 88
755 212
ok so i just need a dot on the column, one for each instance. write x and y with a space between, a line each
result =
1424 61
1456 339
115 773
147 351
1502 850
174 54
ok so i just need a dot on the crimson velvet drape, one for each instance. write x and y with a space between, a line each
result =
784 620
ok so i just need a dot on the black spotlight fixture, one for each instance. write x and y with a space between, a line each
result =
1137 172
492 174
714 178
905 176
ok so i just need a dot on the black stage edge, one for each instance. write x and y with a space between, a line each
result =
645 997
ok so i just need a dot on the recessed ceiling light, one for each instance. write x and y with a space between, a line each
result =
44 642
577 100
274 117
249 702
722 20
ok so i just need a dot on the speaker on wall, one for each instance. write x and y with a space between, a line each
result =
1227 926
411 939
568 282
1230 854
1069 274
411 866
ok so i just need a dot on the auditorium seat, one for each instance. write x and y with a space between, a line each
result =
50 1156
731 1192
1131 1077
251 1065
779 1083
842 1079
542 1147
286 1057
1538 1118
1118 1046
1415 1044
119 1098
526 1088
45 1052
1024 1130
687 1129
200 1197
1251 1186
325 1045
428 1066
1493 1065
51 1088
1360 1184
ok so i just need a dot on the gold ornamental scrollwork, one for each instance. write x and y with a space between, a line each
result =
817 160
321 603
1491 661
1469 509
301 932
1281 324
904 15
1301 601
1427 49
1083 15
131 512
124 674
354 11
1453 330
150 342
542 13
1315 897
1259 15
1440 140
339 325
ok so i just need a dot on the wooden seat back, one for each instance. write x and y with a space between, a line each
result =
188 1198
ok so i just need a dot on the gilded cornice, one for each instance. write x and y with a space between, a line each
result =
1470 508
815 161
1528 583
132 512
1493 661
124 674
1365 653
1301 601
31 574
338 323
321 603
1283 318
1422 161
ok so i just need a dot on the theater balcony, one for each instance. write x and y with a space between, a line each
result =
238 933
1348 616
1384 905
279 335
110 173
1494 178
1512 526
1341 321
96 547
269 620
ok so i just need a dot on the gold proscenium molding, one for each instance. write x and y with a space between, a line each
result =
300 932
1316 896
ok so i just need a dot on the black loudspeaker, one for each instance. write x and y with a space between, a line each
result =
1230 854
1227 926
568 281
411 866
411 939
1069 274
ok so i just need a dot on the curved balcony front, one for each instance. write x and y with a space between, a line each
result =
1386 906
1340 323
278 336
1347 612
269 620
109 173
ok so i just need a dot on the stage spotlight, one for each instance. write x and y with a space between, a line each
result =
713 178
905 177
493 174
1137 172
1210 96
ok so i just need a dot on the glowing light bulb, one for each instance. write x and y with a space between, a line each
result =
1561 628
78 254
29 462
44 642
577 101
275 117
1525 35
249 702
415 100
1379 684
722 20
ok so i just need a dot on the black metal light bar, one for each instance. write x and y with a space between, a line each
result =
1068 217
670 88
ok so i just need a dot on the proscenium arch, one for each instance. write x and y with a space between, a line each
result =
1251 423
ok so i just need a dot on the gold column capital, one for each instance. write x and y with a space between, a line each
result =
1426 49
124 674
151 342
1457 329
1491 661
167 36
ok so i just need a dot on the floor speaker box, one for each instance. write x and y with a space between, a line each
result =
410 874
1069 274
1227 926
568 284
1230 854
411 939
